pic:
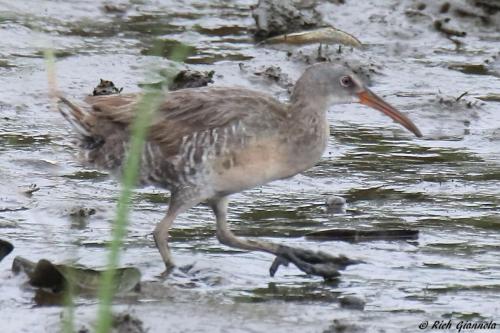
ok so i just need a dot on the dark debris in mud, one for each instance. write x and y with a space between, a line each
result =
81 211
191 79
5 248
87 174
127 323
122 323
106 87
271 74
54 279
454 19
186 78
461 102
344 326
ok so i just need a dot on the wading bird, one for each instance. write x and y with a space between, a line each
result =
205 144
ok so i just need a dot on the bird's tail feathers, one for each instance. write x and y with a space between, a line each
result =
74 114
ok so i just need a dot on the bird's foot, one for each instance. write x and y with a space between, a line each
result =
166 273
311 262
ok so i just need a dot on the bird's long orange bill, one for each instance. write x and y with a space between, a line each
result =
368 98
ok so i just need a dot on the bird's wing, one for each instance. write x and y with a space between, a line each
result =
190 111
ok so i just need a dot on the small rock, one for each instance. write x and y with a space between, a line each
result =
335 204
335 201
352 302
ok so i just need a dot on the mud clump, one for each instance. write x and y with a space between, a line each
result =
106 87
276 75
81 211
461 102
489 6
191 79
344 326
457 18
442 26
174 80
274 18
122 323
126 323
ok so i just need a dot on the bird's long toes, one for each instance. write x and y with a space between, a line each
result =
278 261
313 265
311 262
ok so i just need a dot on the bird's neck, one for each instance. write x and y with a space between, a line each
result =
308 105
308 99
310 128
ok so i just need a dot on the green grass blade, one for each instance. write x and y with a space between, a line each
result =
145 110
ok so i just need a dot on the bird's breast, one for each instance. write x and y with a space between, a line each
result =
269 159
308 144
256 164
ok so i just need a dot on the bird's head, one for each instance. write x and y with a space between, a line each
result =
340 85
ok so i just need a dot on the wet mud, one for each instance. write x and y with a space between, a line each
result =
437 61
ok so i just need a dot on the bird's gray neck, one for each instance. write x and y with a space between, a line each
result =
309 125
308 99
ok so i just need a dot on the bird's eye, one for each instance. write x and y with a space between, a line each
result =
346 81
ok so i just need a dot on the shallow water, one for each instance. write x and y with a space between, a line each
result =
446 185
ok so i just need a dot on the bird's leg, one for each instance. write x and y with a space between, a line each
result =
177 206
310 262
226 237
